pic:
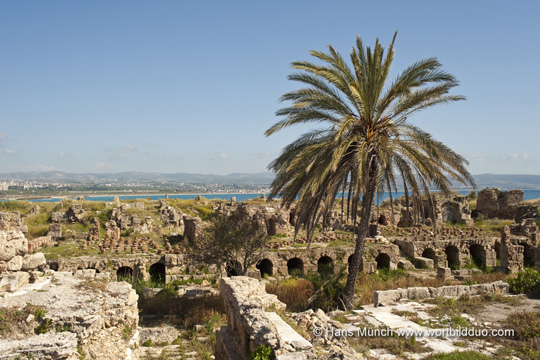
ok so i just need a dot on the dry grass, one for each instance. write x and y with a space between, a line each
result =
293 292
532 202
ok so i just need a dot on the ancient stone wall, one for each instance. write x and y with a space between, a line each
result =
193 227
384 297
499 204
448 209
252 321
16 262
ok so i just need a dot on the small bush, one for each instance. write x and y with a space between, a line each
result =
261 352
525 282
44 327
526 325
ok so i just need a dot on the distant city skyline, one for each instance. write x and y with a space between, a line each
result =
171 86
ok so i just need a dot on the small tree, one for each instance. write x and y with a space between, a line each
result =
234 239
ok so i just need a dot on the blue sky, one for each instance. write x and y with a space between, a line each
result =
191 86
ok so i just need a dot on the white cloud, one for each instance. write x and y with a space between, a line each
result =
223 156
64 154
104 165
9 152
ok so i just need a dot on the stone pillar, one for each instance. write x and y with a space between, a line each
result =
511 255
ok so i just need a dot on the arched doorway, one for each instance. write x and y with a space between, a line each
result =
124 273
383 261
325 265
452 255
429 253
157 273
295 266
266 267
478 255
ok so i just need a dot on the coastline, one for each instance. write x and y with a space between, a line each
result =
27 197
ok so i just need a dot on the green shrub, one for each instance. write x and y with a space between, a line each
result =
44 327
261 352
526 325
525 282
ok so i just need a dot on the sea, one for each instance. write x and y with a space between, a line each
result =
527 195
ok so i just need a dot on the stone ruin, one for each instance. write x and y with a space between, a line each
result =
169 215
74 214
17 264
93 319
512 258
253 320
494 203
124 220
193 228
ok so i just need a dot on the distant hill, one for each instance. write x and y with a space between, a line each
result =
508 181
502 181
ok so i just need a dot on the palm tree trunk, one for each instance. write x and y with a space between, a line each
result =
367 208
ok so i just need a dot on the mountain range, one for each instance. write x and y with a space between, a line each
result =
502 181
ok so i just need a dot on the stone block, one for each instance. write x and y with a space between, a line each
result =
89 274
15 264
424 262
405 264
13 282
34 261
444 273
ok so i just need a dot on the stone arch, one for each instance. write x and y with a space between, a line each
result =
157 273
266 267
124 273
478 254
452 255
430 254
295 265
233 268
325 265
383 220
383 261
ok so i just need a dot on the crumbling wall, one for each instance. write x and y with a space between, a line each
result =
499 204
512 259
384 297
249 324
16 262
251 321
448 209
193 227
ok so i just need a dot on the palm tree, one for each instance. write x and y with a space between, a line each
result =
368 143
